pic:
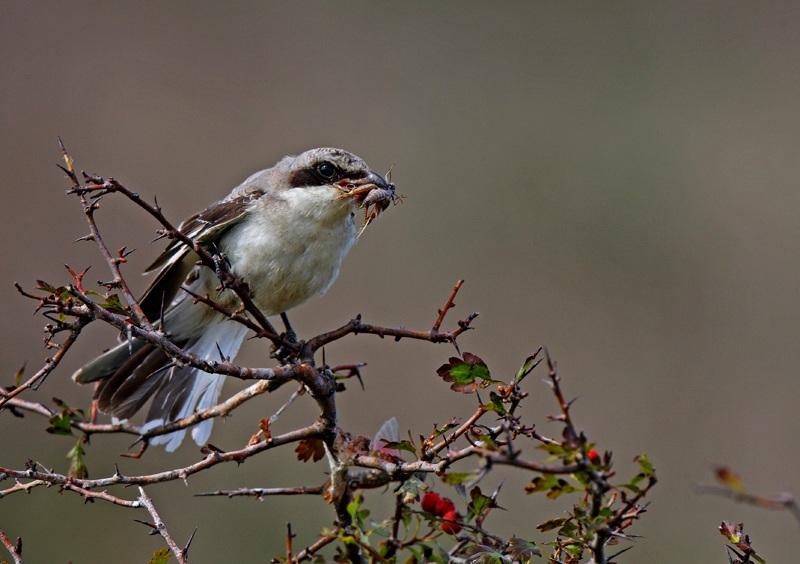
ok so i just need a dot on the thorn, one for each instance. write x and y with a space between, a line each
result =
153 528
161 235
222 357
185 551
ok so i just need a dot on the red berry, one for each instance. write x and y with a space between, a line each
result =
429 502
444 506
593 457
449 523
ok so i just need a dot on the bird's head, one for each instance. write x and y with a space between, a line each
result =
350 180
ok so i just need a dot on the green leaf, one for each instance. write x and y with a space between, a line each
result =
553 449
575 550
416 555
569 530
646 467
63 293
61 403
161 556
358 515
398 445
455 478
60 424
530 363
551 524
114 305
18 375
467 374
42 285
478 503
542 484
411 489
521 550
553 485
77 469
496 404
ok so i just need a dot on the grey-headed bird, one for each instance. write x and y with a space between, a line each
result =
284 231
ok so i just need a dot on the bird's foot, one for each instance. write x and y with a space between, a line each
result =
289 345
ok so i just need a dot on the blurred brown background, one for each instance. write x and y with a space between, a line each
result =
615 181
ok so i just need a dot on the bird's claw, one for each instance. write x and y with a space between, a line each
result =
287 349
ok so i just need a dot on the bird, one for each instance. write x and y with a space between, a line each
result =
284 231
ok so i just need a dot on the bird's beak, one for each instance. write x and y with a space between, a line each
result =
359 189
371 193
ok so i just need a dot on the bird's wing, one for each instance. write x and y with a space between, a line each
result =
178 260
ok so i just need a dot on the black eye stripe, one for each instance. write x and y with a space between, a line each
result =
312 176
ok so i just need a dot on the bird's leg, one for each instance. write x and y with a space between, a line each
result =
289 337
290 334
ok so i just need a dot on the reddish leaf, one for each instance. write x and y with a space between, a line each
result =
729 478
310 449
264 426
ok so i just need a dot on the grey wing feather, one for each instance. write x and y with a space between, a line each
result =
177 261
106 364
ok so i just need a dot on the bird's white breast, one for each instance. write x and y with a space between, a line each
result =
290 246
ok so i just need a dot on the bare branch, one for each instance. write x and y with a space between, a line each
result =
161 528
785 500
446 308
50 364
212 458
260 493
14 548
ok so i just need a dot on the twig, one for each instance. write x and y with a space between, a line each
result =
785 500
260 493
220 410
113 264
212 458
240 287
309 552
356 326
105 496
50 364
14 548
446 308
161 527
289 537
296 394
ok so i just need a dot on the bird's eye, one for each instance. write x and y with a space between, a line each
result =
327 170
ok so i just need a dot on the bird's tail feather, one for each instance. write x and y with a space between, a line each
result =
185 390
130 375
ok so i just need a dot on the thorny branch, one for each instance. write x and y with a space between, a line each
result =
160 528
355 465
15 548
